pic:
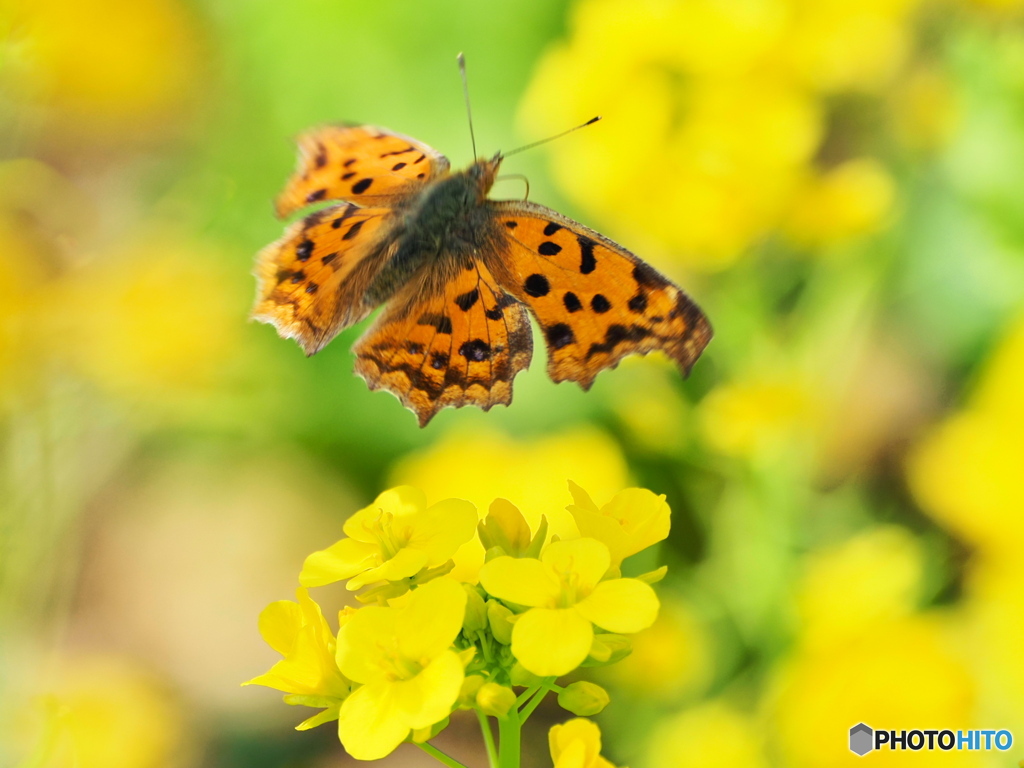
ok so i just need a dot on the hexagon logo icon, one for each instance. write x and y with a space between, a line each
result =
861 739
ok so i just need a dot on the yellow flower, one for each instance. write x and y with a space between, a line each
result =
101 712
632 521
967 473
403 657
821 692
710 735
748 418
308 671
529 474
848 589
392 539
576 744
854 198
566 597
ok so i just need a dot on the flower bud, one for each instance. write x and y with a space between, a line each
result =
523 677
475 619
420 735
467 694
494 699
498 617
583 698
608 648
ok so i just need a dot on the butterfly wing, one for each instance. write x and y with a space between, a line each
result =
312 283
361 164
447 340
595 301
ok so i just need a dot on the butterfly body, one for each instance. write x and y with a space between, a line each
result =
458 274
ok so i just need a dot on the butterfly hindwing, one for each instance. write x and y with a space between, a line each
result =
452 341
595 301
311 283
362 164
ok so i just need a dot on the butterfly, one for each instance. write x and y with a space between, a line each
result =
457 274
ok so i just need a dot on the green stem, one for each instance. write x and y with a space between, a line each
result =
509 736
526 711
526 695
430 749
485 726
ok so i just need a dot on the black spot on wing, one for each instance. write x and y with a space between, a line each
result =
615 335
466 300
549 248
559 335
600 303
353 230
537 285
319 194
441 323
588 262
572 302
638 303
398 166
361 186
476 350
551 228
304 250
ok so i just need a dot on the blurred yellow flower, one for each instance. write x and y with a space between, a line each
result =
107 61
710 735
925 108
155 321
854 198
308 670
531 474
108 712
904 671
392 539
670 659
633 520
576 744
403 657
717 110
748 418
565 598
846 590
967 473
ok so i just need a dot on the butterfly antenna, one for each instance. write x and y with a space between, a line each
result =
591 121
465 91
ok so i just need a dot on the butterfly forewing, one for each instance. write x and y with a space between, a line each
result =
311 282
595 301
362 164
451 342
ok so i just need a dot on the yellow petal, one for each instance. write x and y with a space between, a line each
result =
430 621
586 560
440 530
523 581
621 605
582 499
429 697
576 743
370 726
406 562
643 518
397 502
551 641
342 560
363 643
279 624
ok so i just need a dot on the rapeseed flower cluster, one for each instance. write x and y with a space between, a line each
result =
725 122
430 639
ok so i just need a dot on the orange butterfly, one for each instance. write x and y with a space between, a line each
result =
456 273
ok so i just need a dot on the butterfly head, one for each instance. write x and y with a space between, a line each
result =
483 173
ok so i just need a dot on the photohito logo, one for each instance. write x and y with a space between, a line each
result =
864 739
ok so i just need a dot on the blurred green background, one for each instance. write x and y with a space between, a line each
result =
839 184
